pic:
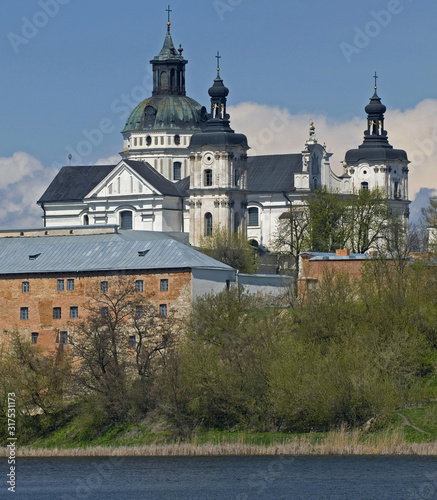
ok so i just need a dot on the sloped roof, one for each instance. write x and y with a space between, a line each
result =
74 183
272 173
100 252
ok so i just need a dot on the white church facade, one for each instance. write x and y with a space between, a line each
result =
183 169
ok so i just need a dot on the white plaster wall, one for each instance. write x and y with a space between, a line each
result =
210 281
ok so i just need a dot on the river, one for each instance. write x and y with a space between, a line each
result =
225 478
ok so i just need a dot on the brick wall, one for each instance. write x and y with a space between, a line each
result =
43 296
312 271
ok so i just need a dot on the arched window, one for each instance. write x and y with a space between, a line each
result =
177 139
86 220
397 193
148 140
177 171
208 224
208 177
237 178
364 185
253 216
126 219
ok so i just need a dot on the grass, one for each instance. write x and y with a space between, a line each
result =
394 438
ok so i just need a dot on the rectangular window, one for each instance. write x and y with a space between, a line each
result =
104 287
253 216
70 285
177 171
24 313
60 287
164 285
104 312
139 311
163 310
25 287
57 313
132 342
208 177
63 337
139 285
34 337
74 312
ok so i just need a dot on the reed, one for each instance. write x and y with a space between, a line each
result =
340 442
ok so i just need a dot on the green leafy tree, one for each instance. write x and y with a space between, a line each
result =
116 375
40 382
232 249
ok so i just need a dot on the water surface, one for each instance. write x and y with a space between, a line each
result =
223 478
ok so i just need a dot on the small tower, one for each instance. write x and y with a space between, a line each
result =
218 175
375 163
159 128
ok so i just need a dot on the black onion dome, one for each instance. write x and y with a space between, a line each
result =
375 146
218 89
375 106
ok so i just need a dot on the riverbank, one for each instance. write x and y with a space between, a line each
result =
334 443
408 432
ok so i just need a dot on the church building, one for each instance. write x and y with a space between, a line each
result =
183 169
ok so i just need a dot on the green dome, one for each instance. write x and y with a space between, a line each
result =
162 112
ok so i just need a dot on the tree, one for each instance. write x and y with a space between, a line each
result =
291 235
232 249
429 223
367 217
40 382
117 348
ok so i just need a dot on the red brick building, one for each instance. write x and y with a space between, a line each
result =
313 265
48 276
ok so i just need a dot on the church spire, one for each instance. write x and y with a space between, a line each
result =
218 93
169 67
375 135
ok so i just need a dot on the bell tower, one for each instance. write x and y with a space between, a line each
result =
376 164
218 172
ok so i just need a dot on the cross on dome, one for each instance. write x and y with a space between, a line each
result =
168 10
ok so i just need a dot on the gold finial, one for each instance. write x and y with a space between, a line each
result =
168 23
375 76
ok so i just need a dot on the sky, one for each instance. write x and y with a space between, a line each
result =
73 69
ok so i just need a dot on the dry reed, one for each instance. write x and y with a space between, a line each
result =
336 443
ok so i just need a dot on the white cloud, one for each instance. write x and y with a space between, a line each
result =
110 160
23 179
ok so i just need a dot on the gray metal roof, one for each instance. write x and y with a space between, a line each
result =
100 252
272 173
332 256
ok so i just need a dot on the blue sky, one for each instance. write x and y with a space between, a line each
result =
74 67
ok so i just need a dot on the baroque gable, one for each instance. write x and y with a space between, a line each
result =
123 180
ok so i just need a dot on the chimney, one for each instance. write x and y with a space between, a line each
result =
342 252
